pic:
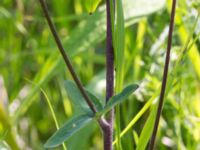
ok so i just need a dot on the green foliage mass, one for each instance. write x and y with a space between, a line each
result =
28 52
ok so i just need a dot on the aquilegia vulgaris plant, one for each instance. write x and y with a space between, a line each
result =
91 107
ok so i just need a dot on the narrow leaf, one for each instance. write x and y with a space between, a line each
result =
95 100
119 40
70 128
77 99
86 34
137 116
91 5
119 98
147 130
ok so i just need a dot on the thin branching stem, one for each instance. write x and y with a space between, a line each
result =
108 131
65 57
165 74
109 55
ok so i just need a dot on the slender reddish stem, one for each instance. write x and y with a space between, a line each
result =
165 74
108 131
65 57
106 125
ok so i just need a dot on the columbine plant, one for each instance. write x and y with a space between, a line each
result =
89 105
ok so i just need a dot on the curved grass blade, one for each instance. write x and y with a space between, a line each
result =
50 107
137 117
53 114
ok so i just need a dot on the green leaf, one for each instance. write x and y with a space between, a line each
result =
89 33
119 98
119 40
119 43
147 130
71 127
91 5
96 101
78 101
138 116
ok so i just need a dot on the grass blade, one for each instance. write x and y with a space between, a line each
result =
53 114
119 40
147 130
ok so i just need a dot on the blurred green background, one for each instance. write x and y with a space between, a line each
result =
29 59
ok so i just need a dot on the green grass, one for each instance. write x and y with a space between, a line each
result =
28 51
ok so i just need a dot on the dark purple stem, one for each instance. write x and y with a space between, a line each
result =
165 74
107 133
108 130
109 55
106 125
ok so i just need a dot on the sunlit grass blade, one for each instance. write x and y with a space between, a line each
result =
137 117
91 5
183 35
50 108
147 130
119 40
186 48
87 39
53 114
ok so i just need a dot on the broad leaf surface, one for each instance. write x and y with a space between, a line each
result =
119 98
77 99
67 130
88 33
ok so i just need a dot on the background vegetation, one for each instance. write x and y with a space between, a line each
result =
29 59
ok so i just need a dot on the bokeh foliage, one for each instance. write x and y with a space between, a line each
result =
28 53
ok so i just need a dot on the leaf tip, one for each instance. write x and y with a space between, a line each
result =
133 87
49 144
136 86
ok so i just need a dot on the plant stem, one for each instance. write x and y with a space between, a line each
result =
108 132
109 56
65 57
165 74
